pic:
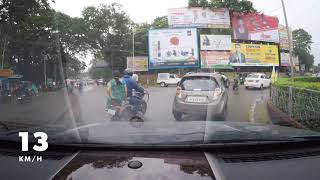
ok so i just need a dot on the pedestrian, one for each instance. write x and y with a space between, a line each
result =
34 89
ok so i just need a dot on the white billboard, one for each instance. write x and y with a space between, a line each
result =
199 17
173 48
215 42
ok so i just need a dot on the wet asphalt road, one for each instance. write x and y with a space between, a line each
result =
76 109
243 105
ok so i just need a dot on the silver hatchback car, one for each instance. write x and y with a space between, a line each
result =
201 94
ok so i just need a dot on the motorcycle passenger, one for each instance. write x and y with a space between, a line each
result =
132 85
116 91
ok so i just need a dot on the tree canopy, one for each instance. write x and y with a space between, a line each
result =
241 6
302 42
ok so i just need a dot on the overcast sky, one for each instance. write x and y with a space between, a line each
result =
301 14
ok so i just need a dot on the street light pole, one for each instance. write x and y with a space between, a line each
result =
133 42
45 70
132 46
290 39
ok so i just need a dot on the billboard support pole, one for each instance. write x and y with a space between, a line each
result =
290 39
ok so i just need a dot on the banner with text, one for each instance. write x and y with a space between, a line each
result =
285 59
137 63
199 17
255 26
173 48
284 39
215 42
254 55
213 59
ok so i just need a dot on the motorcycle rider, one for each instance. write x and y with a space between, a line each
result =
116 91
131 85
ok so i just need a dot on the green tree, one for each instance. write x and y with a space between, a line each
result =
109 33
160 22
302 42
242 6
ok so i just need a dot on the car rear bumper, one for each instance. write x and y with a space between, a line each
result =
210 110
252 84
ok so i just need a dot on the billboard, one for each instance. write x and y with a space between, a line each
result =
285 59
283 36
254 26
254 55
199 18
137 63
173 48
215 42
213 59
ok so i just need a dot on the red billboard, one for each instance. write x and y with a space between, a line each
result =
255 26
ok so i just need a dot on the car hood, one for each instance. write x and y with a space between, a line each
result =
150 133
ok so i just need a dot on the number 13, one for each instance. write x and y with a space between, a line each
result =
42 140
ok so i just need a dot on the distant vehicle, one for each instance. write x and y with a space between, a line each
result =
257 80
100 82
165 79
316 75
203 94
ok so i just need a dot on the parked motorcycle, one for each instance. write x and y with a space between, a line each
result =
125 111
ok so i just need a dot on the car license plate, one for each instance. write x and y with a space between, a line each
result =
250 81
196 99
111 112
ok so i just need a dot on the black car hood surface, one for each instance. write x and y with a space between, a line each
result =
150 133
113 164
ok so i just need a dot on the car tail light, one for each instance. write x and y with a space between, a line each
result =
178 92
217 92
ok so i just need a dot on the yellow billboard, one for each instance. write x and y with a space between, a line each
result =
254 55
138 63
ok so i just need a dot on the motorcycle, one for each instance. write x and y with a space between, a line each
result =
126 110
24 97
235 85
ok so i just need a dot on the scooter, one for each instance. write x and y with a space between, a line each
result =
125 110
235 86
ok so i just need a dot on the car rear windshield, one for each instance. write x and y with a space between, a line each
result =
254 76
198 83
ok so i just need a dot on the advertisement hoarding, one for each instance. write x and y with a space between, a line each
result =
213 59
215 42
199 18
137 63
284 39
254 55
255 26
285 59
173 48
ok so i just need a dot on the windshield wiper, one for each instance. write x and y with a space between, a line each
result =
307 137
4 125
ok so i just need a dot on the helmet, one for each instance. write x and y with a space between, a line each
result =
135 77
128 72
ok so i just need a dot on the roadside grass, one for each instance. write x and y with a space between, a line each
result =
299 82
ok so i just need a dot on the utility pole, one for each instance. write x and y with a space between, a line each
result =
133 46
45 70
290 40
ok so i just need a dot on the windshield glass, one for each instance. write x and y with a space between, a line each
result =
253 76
158 72
198 83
